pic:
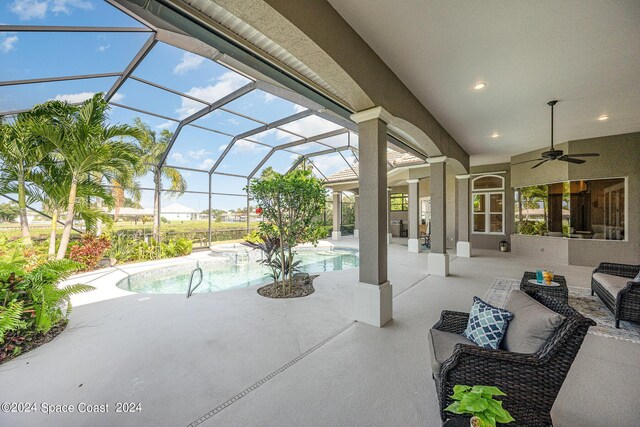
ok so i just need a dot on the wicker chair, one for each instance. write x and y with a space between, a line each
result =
531 381
626 304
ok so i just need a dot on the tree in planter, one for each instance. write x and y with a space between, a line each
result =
290 203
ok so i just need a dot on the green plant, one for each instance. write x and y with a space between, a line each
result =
122 248
90 250
290 204
478 402
80 137
153 147
32 301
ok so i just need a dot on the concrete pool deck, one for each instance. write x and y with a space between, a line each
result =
233 358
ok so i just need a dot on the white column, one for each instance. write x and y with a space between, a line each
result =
463 244
373 303
414 215
389 236
356 209
337 215
438 257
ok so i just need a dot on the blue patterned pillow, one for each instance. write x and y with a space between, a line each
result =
487 324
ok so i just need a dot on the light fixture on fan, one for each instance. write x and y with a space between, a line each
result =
553 154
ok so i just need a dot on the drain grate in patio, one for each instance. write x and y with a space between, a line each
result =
251 388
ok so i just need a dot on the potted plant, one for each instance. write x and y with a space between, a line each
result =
478 402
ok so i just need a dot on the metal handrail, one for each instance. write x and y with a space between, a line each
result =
190 291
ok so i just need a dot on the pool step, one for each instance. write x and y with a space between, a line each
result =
242 258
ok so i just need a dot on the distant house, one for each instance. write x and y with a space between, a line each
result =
178 212
173 212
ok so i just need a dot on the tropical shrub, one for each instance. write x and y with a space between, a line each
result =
32 301
90 250
290 204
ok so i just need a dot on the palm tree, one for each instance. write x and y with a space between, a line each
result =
20 152
53 184
87 145
153 147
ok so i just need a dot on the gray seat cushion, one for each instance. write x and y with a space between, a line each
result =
441 346
613 284
532 324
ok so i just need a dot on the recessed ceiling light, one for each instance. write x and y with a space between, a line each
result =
479 85
603 117
495 135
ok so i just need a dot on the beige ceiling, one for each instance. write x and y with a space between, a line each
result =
585 53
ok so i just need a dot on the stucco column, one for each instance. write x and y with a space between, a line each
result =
463 245
337 215
389 235
414 215
372 293
356 212
438 257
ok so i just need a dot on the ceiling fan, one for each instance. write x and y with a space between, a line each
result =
553 154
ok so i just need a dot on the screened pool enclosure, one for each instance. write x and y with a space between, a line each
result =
228 123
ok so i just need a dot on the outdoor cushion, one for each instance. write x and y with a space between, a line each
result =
613 284
532 324
637 278
486 324
441 346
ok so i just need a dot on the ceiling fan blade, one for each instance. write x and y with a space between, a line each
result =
528 161
584 155
538 164
571 160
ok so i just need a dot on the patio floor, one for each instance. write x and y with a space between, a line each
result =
234 358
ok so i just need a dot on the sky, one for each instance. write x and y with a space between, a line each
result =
28 55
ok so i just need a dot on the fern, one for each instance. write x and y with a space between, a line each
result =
10 318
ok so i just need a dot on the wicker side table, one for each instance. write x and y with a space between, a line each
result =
560 292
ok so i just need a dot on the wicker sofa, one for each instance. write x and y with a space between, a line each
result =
615 286
531 381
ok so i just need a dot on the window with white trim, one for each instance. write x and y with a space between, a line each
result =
487 205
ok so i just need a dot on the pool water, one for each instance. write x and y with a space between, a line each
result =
222 273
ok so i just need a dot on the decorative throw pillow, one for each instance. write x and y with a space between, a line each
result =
487 324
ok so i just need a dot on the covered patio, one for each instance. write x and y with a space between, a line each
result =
237 366
440 156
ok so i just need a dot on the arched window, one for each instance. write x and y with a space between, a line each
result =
487 182
487 204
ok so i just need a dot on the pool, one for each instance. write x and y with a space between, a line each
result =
233 268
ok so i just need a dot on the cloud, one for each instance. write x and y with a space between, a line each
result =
243 146
166 125
38 9
190 61
178 158
269 98
103 48
330 163
198 154
8 43
223 147
206 164
298 108
227 83
29 9
311 126
74 98
277 133
65 6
